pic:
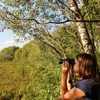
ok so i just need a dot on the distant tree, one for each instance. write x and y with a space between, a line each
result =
18 54
7 54
25 51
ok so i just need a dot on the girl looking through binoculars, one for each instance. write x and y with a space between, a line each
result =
87 85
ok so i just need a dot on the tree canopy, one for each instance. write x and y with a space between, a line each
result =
36 18
7 54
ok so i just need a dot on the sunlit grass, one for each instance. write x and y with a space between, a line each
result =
14 78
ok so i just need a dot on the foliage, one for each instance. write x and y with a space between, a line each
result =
7 54
17 55
63 47
36 18
92 13
29 81
69 44
93 9
35 70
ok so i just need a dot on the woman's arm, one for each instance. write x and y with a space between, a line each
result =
63 88
65 77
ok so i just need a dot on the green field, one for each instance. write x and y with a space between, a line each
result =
22 82
14 80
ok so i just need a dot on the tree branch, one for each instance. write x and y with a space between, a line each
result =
69 20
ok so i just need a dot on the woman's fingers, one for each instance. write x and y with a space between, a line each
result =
65 66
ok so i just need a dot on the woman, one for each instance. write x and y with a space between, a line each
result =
86 87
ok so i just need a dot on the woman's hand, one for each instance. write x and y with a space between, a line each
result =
65 67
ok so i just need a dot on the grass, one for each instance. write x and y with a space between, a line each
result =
14 78
26 81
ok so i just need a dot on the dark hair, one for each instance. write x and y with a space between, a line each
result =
87 66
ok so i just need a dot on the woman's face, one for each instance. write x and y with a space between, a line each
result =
76 66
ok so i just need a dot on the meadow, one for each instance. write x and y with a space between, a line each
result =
18 82
14 80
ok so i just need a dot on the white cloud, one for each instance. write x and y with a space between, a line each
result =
9 42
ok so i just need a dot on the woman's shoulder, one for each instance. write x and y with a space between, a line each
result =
84 81
85 85
88 87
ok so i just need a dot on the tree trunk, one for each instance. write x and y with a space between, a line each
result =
84 35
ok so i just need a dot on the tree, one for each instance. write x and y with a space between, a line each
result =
18 54
7 54
29 18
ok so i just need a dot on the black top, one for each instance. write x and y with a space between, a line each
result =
89 88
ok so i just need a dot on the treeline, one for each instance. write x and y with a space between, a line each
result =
7 54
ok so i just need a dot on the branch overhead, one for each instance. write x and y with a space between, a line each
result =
89 21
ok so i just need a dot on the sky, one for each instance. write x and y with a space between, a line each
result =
7 40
